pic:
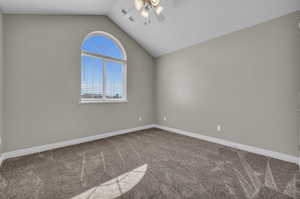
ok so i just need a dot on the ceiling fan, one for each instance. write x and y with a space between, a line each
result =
147 9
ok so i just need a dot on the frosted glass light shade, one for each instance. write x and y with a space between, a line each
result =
138 4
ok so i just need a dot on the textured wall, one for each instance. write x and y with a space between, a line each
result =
247 81
42 81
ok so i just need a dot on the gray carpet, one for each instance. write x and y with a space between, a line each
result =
147 164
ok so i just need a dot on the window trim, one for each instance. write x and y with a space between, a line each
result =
106 59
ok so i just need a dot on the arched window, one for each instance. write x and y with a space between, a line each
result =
103 69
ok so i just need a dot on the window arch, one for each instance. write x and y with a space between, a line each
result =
103 69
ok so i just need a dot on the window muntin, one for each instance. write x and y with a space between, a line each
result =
102 45
91 77
114 80
103 69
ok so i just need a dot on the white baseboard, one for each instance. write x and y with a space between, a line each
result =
48 147
248 148
252 149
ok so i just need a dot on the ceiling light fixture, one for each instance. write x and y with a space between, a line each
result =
159 9
147 9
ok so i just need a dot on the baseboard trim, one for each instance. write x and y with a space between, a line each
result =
252 149
38 149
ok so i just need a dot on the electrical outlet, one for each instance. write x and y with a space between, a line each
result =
219 128
140 118
165 118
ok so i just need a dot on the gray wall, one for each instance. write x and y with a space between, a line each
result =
299 125
42 81
1 85
246 81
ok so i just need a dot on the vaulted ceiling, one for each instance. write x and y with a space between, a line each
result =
187 23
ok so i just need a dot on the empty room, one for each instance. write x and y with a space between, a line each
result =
149 99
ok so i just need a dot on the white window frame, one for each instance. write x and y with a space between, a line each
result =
106 59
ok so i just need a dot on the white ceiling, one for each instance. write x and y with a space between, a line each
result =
85 7
187 23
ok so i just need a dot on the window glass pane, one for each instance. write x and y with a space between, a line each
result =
103 46
114 80
91 77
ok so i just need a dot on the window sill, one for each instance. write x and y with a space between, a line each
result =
102 101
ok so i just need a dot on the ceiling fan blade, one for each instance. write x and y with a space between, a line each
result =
124 12
127 12
131 19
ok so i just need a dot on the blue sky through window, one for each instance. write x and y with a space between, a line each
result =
92 69
114 79
91 75
103 46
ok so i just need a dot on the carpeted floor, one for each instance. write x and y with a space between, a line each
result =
147 164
